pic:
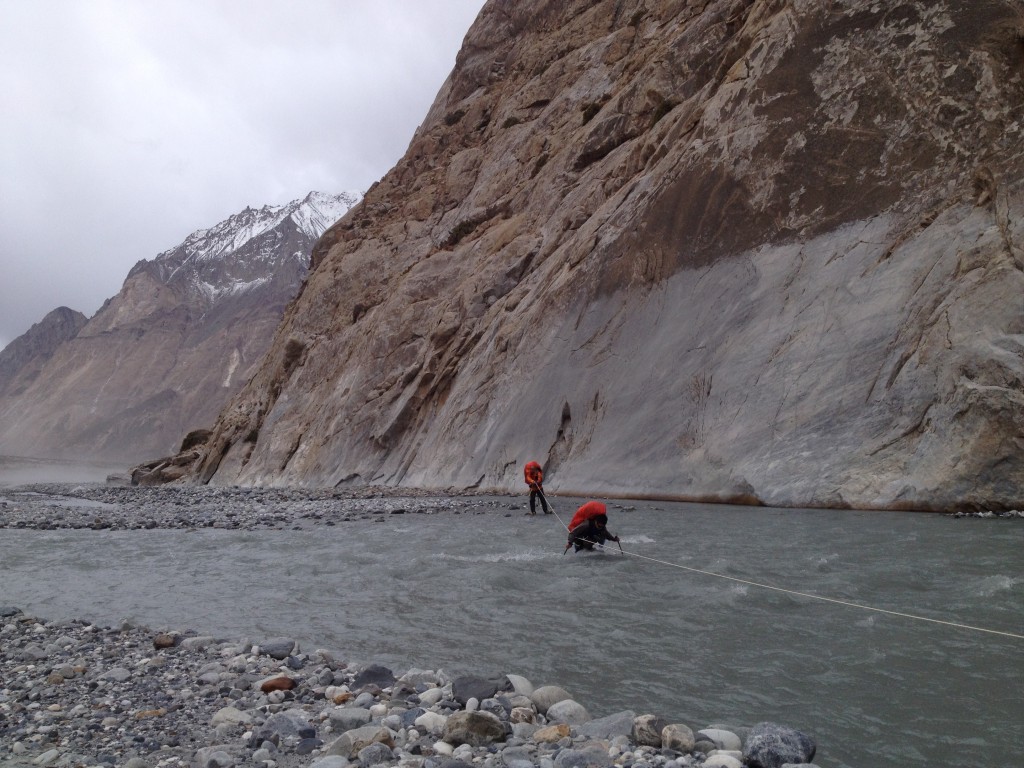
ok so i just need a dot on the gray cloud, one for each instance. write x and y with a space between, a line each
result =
127 124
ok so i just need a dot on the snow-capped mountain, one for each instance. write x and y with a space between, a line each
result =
247 249
184 332
311 216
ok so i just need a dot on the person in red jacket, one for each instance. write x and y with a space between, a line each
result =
589 527
535 479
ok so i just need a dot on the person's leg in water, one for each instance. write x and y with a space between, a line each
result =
533 502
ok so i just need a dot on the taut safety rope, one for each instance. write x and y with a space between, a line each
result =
803 594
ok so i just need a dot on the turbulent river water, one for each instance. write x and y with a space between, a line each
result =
493 593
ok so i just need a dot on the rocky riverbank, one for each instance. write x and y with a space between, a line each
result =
119 507
73 694
99 506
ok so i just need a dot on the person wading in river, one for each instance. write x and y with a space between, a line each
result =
589 527
535 479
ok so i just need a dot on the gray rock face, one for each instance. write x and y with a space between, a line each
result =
23 358
765 252
168 351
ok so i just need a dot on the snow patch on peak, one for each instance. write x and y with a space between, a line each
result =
312 216
319 210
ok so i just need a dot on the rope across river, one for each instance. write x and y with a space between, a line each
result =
808 595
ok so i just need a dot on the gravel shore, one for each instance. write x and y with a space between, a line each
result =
98 506
75 694
119 507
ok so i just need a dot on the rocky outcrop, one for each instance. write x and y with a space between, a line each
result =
764 251
23 358
167 469
167 352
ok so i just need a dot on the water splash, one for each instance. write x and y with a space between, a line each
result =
992 585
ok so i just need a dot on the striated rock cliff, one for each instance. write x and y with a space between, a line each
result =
766 251
185 332
23 358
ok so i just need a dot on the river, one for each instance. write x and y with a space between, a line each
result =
493 593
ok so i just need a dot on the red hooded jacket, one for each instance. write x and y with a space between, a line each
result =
534 474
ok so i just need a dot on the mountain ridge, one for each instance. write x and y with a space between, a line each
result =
164 353
24 357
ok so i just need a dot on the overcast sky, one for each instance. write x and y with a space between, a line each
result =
126 125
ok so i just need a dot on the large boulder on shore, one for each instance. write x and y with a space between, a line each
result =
546 696
568 711
770 745
678 737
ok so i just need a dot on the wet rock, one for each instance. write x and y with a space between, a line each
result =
278 647
468 687
678 737
647 730
722 739
568 711
546 696
770 745
374 674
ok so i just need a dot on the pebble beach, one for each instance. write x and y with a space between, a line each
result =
76 694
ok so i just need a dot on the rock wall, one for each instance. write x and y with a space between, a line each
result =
767 252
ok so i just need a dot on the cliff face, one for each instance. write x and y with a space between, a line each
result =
764 251
167 352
